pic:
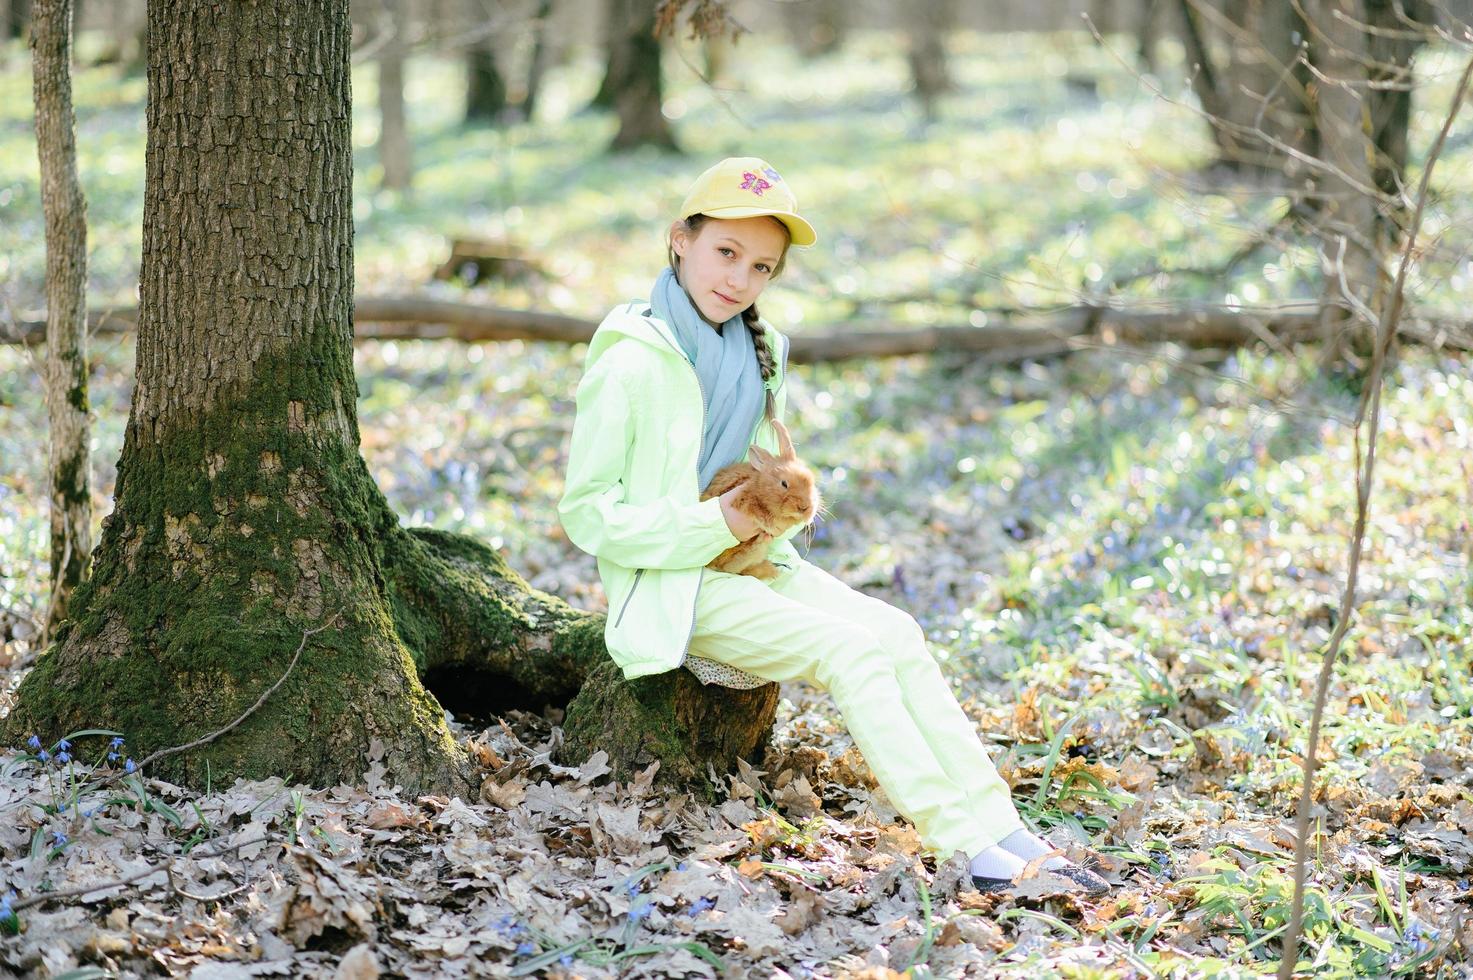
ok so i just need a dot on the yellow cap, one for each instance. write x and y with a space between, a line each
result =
746 187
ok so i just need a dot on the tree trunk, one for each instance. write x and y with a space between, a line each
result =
689 728
1243 57
1392 51
639 101
485 90
616 55
65 212
1351 239
930 21
393 140
244 513
18 15
541 57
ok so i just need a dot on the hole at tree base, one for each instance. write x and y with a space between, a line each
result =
477 697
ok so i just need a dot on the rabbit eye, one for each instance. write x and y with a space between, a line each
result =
785 484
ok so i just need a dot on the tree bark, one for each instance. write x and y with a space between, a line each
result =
639 101
65 211
689 728
244 513
394 149
1352 241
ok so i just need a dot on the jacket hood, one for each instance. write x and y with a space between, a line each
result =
637 322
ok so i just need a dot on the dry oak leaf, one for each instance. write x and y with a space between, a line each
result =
806 909
326 895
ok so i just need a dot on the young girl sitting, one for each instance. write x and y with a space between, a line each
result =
673 390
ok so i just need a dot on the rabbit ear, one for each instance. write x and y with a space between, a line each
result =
784 441
759 457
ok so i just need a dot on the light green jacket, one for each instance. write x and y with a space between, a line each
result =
631 498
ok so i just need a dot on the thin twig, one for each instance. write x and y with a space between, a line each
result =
204 740
164 753
167 868
1370 404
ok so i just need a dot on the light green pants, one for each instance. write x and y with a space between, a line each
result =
872 658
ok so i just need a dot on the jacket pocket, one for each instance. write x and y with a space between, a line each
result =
622 609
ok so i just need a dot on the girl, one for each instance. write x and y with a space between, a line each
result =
673 390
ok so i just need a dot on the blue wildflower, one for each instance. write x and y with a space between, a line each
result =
680 866
60 838
63 757
116 742
112 757
9 921
641 911
44 756
128 766
633 888
525 948
33 742
566 959
63 745
699 905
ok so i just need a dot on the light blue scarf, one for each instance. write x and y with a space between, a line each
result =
726 364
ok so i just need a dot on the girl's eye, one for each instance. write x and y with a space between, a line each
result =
726 251
763 268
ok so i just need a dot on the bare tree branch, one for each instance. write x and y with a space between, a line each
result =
1365 471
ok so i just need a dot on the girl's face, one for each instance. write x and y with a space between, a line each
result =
726 263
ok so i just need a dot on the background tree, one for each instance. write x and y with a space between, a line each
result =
65 211
244 514
485 88
540 60
930 22
18 15
395 154
1315 96
634 63
616 55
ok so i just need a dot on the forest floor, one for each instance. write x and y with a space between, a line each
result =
1128 562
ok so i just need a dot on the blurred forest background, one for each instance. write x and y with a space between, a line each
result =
1137 267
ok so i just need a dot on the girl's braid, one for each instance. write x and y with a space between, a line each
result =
765 361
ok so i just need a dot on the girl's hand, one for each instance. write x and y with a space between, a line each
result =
743 528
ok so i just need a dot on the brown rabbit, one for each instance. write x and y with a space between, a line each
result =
777 492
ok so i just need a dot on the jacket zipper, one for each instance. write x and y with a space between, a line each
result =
700 580
702 577
637 576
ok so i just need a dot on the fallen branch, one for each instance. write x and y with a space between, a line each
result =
1008 335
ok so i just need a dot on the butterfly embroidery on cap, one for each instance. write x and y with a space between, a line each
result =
755 184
